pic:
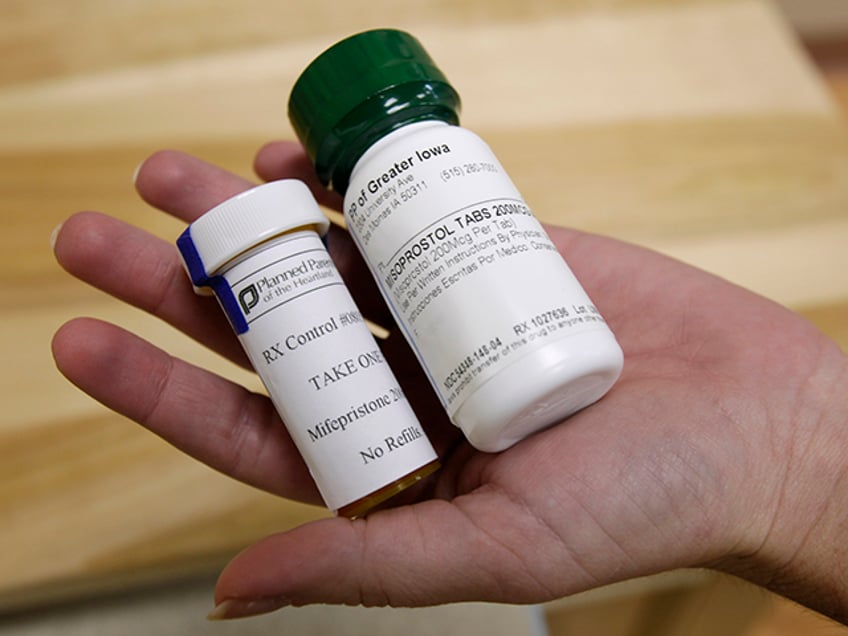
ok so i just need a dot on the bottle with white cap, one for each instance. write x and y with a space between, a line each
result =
262 256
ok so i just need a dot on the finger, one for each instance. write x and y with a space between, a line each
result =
212 419
146 272
288 160
426 554
185 186
483 546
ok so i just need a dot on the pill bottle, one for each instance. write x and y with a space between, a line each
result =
507 336
262 256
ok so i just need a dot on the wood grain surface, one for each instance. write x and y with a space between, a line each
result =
698 128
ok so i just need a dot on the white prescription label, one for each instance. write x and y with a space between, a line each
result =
324 371
470 274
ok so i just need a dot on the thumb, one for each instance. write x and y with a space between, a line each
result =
430 553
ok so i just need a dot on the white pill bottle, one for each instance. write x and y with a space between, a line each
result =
506 334
261 254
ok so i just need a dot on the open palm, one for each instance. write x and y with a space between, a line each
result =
688 461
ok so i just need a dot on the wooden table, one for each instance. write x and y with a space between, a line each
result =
695 127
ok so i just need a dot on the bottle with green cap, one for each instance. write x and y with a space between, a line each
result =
506 334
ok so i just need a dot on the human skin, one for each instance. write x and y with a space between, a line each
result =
723 445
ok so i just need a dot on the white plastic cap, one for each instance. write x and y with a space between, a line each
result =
245 220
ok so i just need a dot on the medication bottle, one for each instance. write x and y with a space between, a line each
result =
261 254
509 339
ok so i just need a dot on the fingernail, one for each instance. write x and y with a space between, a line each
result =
136 171
378 331
242 608
54 235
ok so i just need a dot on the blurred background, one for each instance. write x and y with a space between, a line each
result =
711 130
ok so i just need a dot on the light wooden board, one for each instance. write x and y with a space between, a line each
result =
697 128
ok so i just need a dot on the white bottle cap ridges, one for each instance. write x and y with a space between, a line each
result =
253 217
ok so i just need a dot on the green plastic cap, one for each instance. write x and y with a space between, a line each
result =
361 89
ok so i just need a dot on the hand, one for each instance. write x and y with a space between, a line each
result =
723 444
